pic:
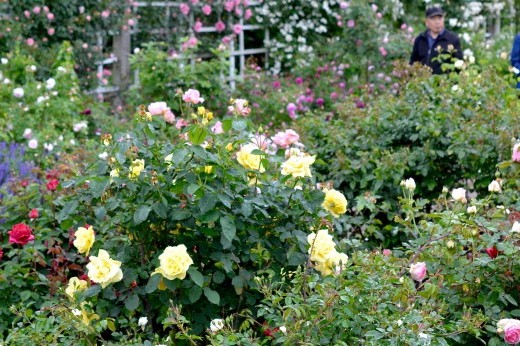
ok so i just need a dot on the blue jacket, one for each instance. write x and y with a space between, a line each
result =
422 53
515 57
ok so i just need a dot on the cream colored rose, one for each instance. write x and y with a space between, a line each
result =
334 264
459 195
298 166
335 202
136 168
248 160
84 239
104 270
75 285
174 262
321 245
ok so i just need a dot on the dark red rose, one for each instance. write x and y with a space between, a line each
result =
33 214
20 234
492 252
52 185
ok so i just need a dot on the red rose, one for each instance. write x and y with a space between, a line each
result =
24 183
1 254
52 185
492 252
33 214
20 234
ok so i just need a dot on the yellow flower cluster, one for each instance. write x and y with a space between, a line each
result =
298 166
323 252
84 239
136 168
104 270
174 262
335 202
75 285
205 115
248 160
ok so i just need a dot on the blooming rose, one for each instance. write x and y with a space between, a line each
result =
20 234
285 139
516 153
104 270
418 271
136 168
192 96
335 202
321 245
241 107
52 185
248 160
459 195
18 92
75 284
217 128
335 262
408 184
142 322
33 214
494 186
157 108
84 239
471 210
174 262
516 227
298 166
216 324
511 329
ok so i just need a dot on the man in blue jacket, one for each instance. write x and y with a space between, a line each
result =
434 41
515 59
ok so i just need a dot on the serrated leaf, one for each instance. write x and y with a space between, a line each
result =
207 202
68 209
141 214
212 296
92 291
228 228
194 294
196 277
153 283
197 135
161 210
180 215
132 302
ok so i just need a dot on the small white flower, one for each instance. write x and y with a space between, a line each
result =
459 63
471 59
4 61
103 155
399 323
61 69
73 142
283 330
471 210
18 92
7 81
459 195
455 88
423 336
27 133
216 324
515 70
33 144
494 186
76 312
51 83
408 184
142 322
33 68
516 227
48 146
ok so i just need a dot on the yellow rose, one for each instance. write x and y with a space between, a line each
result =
104 270
136 168
114 172
75 285
87 316
208 169
334 263
174 262
335 202
248 160
298 166
321 245
84 239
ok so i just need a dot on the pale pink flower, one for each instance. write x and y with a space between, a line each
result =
105 14
27 14
418 271
181 123
206 9
131 22
383 51
50 31
511 329
192 96
217 128
285 139
229 5
404 26
184 8
29 41
37 9
50 16
197 26
226 39
220 26
387 252
237 29
343 5
248 14
516 153
156 108
168 115
351 23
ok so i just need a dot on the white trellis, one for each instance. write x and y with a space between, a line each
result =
236 49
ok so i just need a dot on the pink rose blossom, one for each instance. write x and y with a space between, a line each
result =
351 23
248 14
418 271
237 29
27 14
229 5
206 9
168 115
197 26
37 9
20 234
343 5
383 51
217 128
50 31
50 16
220 26
105 14
156 108
387 252
511 329
184 8
404 26
285 139
29 41
226 39
516 153
181 123
192 96
131 22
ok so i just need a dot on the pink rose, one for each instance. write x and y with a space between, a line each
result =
52 185
387 252
516 153
192 96
229 5
181 123
220 26
418 271
20 234
27 14
206 9
217 128
197 26
237 29
351 23
37 9
50 16
33 214
169 117
511 329
248 14
50 31
156 108
285 139
184 8
29 41
1 254
105 14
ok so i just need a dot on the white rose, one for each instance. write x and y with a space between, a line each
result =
516 227
216 324
459 195
17 92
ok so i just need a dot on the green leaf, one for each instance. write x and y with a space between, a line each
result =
132 302
192 188
210 216
92 291
153 282
239 124
207 202
227 124
196 276
68 209
97 187
197 135
228 228
141 214
100 213
180 215
212 296
194 294
161 210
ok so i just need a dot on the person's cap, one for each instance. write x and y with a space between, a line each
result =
434 11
